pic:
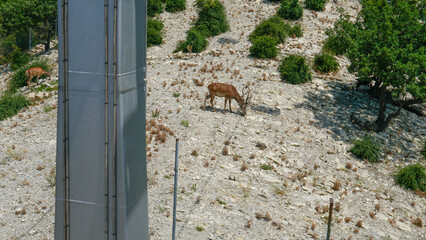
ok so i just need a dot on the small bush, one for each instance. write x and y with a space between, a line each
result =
264 47
290 9
19 79
317 5
339 37
273 27
18 59
175 5
412 177
295 31
294 70
325 63
185 123
211 18
366 149
195 42
11 104
154 34
154 7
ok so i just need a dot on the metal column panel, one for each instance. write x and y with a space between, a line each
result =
87 133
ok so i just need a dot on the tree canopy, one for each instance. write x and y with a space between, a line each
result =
17 16
386 46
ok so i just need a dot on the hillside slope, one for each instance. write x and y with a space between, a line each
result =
301 133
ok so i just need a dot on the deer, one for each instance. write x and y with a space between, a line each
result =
35 71
229 92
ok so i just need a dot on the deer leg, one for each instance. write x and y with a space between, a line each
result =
224 109
37 80
205 100
211 102
29 81
230 110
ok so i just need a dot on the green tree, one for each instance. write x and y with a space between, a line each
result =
17 16
387 50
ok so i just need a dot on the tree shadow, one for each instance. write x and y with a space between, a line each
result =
334 105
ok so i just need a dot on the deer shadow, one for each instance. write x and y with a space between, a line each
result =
266 109
221 110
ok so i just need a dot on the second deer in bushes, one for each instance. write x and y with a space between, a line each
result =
35 71
229 92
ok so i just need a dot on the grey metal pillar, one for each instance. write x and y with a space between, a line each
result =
101 188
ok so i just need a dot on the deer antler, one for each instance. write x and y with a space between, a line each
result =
249 95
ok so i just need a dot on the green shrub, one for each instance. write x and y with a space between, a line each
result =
317 5
295 31
290 9
18 59
325 63
339 37
175 5
196 42
366 149
154 34
264 47
155 24
154 7
273 27
211 18
19 79
294 70
412 177
11 104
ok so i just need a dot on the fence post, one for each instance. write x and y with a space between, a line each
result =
330 216
175 188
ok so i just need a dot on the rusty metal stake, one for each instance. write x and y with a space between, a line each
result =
330 216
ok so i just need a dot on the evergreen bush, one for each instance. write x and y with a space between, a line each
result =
325 63
290 9
273 27
195 42
294 70
154 7
339 37
11 104
412 177
211 18
295 31
316 5
366 149
175 5
264 47
154 34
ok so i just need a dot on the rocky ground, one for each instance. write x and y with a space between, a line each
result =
268 175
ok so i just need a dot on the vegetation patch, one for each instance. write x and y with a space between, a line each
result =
316 5
294 70
290 9
340 37
154 7
264 47
295 31
175 5
412 177
325 63
366 149
273 27
211 22
154 34
11 104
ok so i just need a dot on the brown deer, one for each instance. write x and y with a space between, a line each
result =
35 71
229 92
